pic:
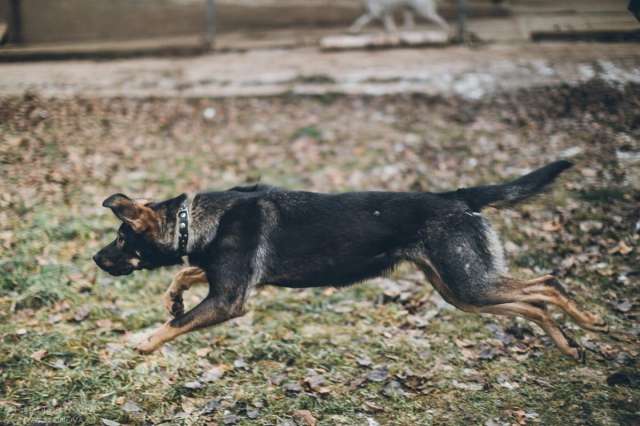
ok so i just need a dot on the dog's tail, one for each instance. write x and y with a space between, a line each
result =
511 192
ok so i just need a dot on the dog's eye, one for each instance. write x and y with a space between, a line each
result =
120 241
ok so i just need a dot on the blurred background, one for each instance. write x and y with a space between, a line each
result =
271 23
153 98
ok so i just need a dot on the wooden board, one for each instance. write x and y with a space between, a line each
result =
385 40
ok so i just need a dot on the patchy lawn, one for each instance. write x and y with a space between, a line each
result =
386 352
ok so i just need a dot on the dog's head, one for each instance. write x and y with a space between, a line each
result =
145 239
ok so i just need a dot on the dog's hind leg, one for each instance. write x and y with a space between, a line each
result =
505 298
547 289
540 317
182 282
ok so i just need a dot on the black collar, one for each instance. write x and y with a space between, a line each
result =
183 228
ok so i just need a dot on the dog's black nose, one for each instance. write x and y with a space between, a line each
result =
95 259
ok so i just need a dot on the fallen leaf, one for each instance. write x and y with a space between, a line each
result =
193 385
240 364
214 373
188 405
487 352
364 361
306 417
277 379
210 407
623 305
357 382
230 419
131 407
393 389
82 313
378 375
316 383
38 355
104 323
471 386
552 226
292 387
202 352
373 407
59 364
504 382
621 248
590 225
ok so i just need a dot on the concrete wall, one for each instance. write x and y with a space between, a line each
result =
89 20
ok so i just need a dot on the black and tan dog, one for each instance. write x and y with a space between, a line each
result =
245 237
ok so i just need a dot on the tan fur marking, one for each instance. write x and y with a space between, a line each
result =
182 282
163 334
538 291
145 220
538 316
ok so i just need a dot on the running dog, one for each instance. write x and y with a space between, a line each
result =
383 10
258 235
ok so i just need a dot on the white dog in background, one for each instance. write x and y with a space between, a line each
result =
384 9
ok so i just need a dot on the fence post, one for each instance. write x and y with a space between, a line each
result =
211 23
462 17
15 22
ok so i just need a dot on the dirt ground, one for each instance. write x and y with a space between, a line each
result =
386 352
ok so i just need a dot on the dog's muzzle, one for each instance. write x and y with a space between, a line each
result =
111 267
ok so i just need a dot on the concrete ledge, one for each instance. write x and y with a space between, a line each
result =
385 40
173 46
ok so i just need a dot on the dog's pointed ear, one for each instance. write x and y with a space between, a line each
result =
136 213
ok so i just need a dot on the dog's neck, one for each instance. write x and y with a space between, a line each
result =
183 228
203 214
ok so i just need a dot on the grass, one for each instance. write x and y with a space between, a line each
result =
65 328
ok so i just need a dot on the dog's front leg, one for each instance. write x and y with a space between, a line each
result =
210 311
409 21
182 282
390 23
357 26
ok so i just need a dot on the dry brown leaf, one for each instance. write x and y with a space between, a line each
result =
38 355
552 226
214 373
202 352
306 417
621 248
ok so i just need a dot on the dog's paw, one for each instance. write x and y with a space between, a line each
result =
173 304
177 309
148 345
597 324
